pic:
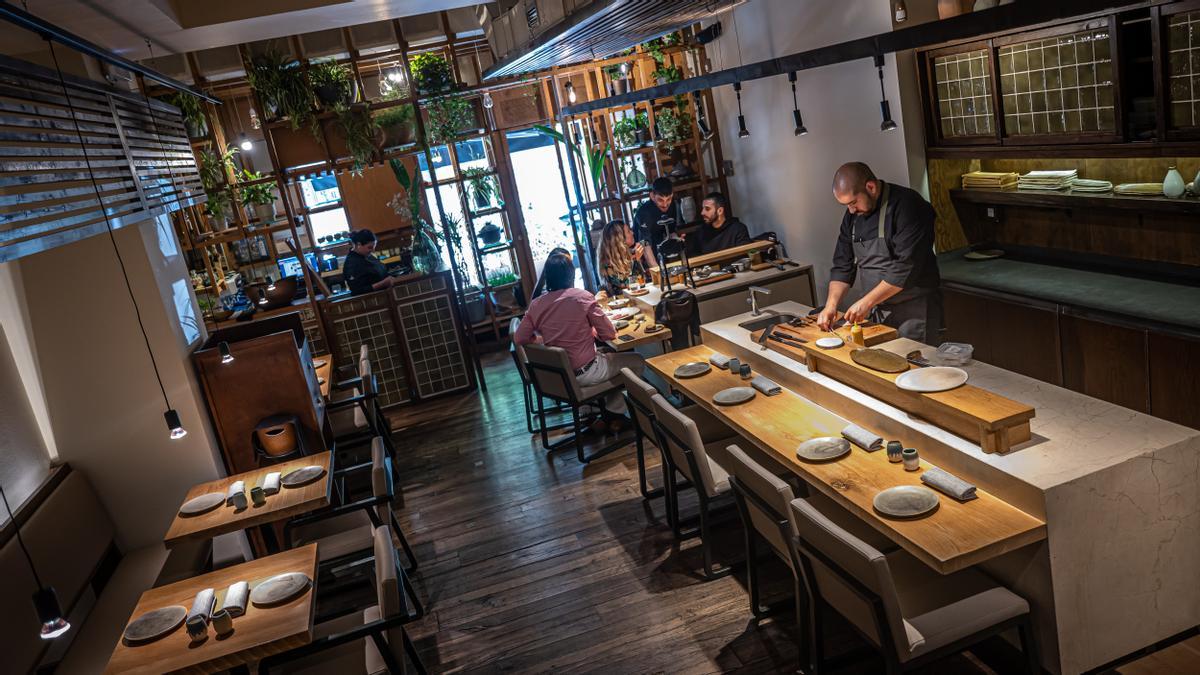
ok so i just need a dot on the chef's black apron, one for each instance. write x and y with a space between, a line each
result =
915 312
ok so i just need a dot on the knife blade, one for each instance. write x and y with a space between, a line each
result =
790 341
917 359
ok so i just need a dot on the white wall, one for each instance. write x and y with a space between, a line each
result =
24 462
14 320
782 182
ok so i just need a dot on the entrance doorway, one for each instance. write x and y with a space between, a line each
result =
535 169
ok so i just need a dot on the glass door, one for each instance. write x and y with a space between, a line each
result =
535 160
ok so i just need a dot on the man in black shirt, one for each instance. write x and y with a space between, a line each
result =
886 238
658 217
720 230
362 271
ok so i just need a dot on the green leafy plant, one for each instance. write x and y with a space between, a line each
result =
397 116
625 132
502 277
218 204
641 120
449 116
284 90
252 192
674 125
656 46
333 84
193 112
431 73
357 128
595 157
213 168
668 73
614 71
481 185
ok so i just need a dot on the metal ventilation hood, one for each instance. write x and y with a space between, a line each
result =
603 28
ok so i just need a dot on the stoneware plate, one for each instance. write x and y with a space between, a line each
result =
280 588
638 291
155 624
655 328
830 342
623 313
823 449
617 302
693 369
302 476
319 363
733 395
906 501
206 502
986 254
877 359
936 378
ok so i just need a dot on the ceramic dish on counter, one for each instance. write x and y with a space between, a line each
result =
319 363
638 291
301 476
905 501
932 379
878 359
823 449
830 342
617 303
693 369
154 624
623 313
202 504
655 328
734 395
280 588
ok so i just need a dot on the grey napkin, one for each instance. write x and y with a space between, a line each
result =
862 438
235 598
948 483
238 487
719 360
765 386
620 323
271 483
202 606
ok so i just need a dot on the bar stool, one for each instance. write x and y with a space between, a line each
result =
554 379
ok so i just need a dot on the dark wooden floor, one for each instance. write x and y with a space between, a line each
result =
535 563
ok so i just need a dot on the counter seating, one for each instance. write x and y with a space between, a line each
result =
554 379
517 352
356 416
71 539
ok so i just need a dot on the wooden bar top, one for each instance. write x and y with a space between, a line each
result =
955 536
638 332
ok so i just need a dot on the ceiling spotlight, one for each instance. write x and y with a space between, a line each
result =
487 100
226 355
571 97
175 425
262 297
801 130
885 108
246 144
270 283
743 132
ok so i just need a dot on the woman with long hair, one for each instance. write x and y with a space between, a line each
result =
616 256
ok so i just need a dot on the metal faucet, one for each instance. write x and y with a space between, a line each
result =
753 299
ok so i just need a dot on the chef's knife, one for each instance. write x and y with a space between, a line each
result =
790 341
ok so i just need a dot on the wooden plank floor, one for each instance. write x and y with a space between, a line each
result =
535 563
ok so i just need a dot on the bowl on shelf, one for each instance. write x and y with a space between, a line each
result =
280 296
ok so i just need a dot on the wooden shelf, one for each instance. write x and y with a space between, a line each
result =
1076 200
496 248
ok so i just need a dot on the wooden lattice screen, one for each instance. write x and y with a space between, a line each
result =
143 165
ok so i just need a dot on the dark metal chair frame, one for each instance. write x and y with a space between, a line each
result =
640 438
528 392
574 404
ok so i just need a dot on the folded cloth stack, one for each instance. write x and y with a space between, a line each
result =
989 180
1048 180
1140 189
235 598
1086 185
719 360
948 483
862 438
765 386
237 488
271 483
202 606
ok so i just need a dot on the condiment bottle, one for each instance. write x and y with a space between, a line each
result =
856 335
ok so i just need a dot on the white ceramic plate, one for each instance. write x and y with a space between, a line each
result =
617 303
638 291
929 380
734 395
205 502
155 624
906 501
693 369
623 313
830 342
302 476
280 588
823 449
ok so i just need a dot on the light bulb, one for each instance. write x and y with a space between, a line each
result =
395 74
255 123
570 93
487 100
624 68
246 144
270 283
226 355
45 601
175 425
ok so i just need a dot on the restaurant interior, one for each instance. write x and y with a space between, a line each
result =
621 336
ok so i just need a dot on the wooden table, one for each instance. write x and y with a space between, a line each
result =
284 504
956 536
640 336
324 373
258 633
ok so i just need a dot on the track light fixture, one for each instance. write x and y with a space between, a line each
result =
571 97
801 130
226 355
743 132
885 108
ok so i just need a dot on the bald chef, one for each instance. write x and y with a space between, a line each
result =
886 241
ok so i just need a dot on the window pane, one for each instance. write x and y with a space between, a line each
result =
319 192
442 165
1183 45
964 93
1059 85
328 223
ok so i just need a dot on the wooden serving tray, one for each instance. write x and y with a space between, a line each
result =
873 333
713 279
995 422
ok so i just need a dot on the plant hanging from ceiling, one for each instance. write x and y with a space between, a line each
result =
192 111
283 89
333 84
449 116
431 73
357 129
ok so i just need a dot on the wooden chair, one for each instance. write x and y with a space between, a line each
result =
554 379
517 352
912 614
371 642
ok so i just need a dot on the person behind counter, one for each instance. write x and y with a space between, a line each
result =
657 218
570 318
720 230
886 239
362 271
618 257
540 287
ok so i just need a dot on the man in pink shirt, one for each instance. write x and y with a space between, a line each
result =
570 318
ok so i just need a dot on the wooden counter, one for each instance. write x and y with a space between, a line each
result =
956 536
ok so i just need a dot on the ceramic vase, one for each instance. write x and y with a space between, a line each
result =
1173 186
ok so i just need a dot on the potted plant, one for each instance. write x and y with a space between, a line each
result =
257 196
333 83
448 117
664 74
357 128
473 304
193 113
283 89
398 125
481 185
641 123
656 46
217 207
490 234
502 283
431 73
213 178
619 74
625 132
674 126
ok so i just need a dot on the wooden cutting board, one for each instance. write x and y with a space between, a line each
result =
873 333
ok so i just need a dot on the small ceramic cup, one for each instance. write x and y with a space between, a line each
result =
257 496
222 623
912 461
746 374
239 501
197 628
894 450
735 365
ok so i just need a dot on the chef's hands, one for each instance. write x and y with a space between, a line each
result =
827 317
859 311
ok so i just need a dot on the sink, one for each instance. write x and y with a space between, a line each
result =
762 322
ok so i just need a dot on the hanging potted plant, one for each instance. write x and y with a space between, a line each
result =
481 185
259 197
431 73
449 116
357 128
625 132
334 84
193 113
283 89
641 128
619 74
398 125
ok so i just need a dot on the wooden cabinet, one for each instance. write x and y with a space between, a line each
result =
1174 385
1019 337
1106 361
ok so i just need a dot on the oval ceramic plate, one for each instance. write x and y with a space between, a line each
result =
936 378
205 502
830 342
280 588
301 476
986 254
617 302
155 624
733 395
638 291
693 369
624 313
906 501
823 449
655 328
877 359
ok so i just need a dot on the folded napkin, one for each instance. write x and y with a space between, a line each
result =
765 386
202 606
948 483
862 438
719 360
235 598
620 323
238 486
271 483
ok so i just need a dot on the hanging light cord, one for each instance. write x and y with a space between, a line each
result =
17 526
107 223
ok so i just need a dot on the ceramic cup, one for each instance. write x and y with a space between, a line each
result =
197 628
257 496
239 501
222 623
894 450
912 461
746 374
735 365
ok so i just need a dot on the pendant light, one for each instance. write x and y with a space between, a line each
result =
743 132
487 100
801 130
243 140
901 12
226 355
570 89
45 599
270 282
885 108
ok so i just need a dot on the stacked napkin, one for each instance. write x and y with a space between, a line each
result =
235 598
271 483
1048 180
1140 189
719 360
948 483
862 438
765 386
202 606
989 180
1086 185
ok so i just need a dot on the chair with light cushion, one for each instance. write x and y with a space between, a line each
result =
912 614
638 395
687 453
371 642
554 379
517 352
357 418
